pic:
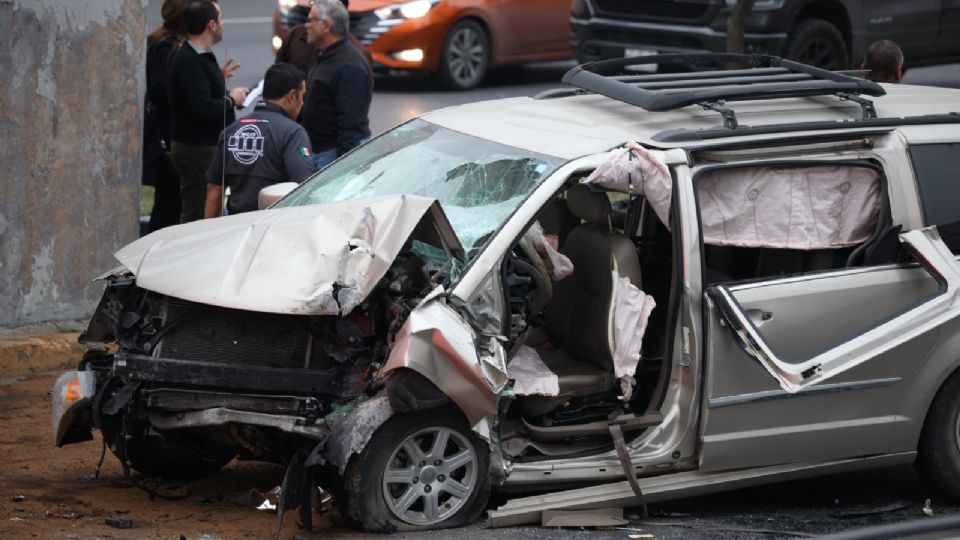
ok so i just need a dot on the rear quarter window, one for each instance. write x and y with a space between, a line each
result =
937 167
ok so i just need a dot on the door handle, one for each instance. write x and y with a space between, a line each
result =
758 316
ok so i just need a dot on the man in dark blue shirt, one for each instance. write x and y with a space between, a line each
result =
262 149
200 105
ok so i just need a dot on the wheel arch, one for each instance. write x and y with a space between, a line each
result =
833 12
939 366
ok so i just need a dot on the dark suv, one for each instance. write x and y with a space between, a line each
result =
832 34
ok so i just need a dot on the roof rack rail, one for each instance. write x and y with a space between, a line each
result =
767 77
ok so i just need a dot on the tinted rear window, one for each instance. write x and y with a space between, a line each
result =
938 176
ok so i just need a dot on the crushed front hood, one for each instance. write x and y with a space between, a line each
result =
320 259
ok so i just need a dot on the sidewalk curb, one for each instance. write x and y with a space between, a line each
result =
35 354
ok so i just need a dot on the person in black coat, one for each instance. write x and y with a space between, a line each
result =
158 169
200 104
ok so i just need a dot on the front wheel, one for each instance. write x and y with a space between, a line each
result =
465 56
939 451
424 470
818 43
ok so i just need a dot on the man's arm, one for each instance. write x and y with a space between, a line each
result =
353 87
297 160
214 204
192 81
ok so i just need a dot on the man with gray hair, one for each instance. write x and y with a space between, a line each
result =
339 86
885 61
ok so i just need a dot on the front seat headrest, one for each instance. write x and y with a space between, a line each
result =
588 205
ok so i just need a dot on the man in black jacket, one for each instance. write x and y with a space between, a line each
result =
262 149
339 89
199 102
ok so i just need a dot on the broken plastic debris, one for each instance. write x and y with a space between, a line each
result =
120 522
599 517
266 505
18 498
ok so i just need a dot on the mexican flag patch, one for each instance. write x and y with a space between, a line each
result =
304 151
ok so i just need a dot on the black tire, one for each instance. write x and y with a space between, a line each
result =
465 57
939 449
818 43
363 499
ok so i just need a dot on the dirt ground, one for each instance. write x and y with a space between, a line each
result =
61 500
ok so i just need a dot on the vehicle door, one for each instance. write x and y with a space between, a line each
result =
948 38
911 25
531 27
809 367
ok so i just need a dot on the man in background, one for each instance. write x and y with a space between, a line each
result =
884 60
339 89
199 103
295 49
262 149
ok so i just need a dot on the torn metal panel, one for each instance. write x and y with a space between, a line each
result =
934 256
310 260
526 510
351 428
436 342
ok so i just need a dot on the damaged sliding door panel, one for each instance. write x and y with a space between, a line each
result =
933 255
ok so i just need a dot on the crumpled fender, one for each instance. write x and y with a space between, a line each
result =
437 343
351 430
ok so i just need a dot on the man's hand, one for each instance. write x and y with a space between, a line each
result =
239 94
229 69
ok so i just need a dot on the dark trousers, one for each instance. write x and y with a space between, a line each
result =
166 197
192 162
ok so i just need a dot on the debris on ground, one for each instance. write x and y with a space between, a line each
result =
18 498
120 522
861 512
599 517
927 508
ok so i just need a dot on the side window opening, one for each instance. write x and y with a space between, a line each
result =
575 334
935 168
776 220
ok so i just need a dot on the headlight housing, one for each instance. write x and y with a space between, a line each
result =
406 10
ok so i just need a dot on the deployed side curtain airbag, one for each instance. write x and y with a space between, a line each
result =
794 207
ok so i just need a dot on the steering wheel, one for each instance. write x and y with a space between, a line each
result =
538 273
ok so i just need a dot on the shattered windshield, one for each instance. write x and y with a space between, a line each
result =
479 183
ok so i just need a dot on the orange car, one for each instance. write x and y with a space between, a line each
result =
459 39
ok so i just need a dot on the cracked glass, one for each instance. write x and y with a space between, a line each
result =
479 183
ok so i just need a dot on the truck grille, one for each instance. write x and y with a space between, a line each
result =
653 9
231 336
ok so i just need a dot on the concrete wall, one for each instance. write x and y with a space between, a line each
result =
71 95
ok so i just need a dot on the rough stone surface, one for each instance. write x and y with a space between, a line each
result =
70 130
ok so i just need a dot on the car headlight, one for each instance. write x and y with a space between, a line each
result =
406 10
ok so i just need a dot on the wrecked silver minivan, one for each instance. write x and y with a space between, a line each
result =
614 287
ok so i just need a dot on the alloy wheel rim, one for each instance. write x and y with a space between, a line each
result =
430 476
466 56
819 53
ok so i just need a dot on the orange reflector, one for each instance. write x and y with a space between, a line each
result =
73 391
